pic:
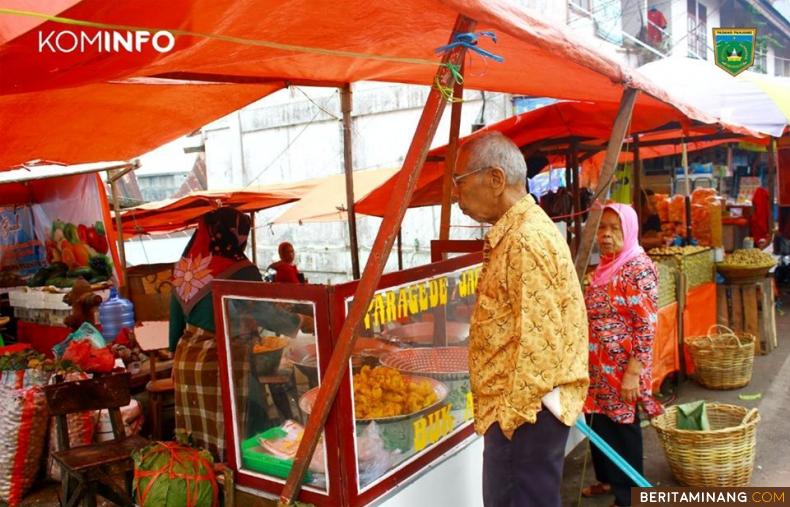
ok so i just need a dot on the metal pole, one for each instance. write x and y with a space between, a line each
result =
119 230
348 162
577 198
382 246
636 181
607 174
687 186
400 250
254 236
450 160
771 183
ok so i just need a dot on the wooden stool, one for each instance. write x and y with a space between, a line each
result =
158 390
282 386
749 308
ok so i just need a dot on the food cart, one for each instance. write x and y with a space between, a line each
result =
417 324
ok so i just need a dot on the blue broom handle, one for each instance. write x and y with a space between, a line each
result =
610 453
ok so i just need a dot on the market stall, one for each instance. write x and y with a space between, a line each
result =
379 44
57 229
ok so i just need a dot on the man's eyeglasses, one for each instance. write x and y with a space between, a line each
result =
458 177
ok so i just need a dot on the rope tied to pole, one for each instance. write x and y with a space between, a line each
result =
469 40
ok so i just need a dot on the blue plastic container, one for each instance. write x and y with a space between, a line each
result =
115 314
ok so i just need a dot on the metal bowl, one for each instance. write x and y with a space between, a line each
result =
420 334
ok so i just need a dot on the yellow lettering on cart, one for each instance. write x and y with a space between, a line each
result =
414 304
423 297
469 410
420 434
392 307
403 303
432 427
433 286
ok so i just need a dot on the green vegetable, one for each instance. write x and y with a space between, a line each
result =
84 272
750 397
100 228
72 233
101 265
61 282
41 277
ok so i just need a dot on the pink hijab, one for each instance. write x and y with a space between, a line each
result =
609 266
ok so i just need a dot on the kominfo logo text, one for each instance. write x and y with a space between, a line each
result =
105 41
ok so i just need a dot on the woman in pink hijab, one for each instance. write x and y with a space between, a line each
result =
622 307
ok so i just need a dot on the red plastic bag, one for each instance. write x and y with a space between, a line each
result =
100 361
78 352
83 354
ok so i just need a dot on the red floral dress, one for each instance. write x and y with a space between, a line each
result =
622 316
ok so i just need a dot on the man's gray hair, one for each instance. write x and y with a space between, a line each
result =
494 149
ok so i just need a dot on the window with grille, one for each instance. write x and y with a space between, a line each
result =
697 30
760 57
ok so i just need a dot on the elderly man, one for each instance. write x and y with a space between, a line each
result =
528 335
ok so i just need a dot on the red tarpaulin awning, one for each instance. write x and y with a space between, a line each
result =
84 106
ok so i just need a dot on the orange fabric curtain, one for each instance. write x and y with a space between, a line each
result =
699 315
665 344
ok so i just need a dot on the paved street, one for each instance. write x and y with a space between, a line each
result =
771 377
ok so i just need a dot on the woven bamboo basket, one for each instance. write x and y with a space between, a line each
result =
667 287
722 359
720 457
697 265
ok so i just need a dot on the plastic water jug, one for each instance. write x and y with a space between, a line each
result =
115 314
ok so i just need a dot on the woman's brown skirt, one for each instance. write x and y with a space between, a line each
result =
198 392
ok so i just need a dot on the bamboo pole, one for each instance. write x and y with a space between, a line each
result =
450 160
619 131
348 163
399 202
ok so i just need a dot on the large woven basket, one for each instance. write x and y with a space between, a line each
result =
720 457
722 359
697 265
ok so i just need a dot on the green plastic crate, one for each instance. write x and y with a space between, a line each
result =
266 463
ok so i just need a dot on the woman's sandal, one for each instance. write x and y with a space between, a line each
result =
597 489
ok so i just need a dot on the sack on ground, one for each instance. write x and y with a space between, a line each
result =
23 431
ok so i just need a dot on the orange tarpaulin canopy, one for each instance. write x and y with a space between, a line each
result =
589 123
87 105
327 201
176 214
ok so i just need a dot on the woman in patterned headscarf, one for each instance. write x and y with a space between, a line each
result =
216 251
622 301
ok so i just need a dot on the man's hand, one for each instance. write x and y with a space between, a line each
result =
630 388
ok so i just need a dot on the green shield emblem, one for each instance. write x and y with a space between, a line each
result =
734 48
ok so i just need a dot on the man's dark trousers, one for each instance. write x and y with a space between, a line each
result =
525 471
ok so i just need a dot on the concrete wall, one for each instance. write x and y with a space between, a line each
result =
288 137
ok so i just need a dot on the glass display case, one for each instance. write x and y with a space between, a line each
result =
403 404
